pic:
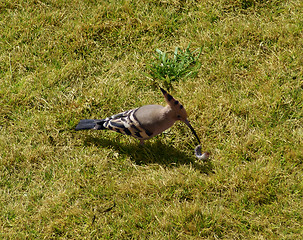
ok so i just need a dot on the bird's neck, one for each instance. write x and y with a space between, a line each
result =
168 112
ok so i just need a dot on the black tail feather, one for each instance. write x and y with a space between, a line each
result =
85 124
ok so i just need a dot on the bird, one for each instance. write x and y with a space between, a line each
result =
143 122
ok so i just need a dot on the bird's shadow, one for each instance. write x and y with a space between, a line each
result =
152 153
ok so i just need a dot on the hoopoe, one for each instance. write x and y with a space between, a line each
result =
144 122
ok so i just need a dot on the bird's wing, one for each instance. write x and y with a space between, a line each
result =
127 123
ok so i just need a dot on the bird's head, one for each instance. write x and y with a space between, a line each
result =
178 110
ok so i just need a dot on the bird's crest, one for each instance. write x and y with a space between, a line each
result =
174 104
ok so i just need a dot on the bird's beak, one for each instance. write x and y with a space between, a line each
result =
192 129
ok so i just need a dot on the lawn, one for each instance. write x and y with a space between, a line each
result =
62 61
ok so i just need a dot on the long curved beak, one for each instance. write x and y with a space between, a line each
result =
192 129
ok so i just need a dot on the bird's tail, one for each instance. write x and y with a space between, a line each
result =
86 124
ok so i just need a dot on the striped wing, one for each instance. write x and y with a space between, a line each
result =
126 123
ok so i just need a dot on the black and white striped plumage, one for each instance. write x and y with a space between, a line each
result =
144 122
125 123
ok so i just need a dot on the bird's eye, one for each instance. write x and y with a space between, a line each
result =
178 116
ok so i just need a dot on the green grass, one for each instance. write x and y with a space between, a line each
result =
61 62
170 67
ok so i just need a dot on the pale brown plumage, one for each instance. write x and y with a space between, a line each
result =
144 122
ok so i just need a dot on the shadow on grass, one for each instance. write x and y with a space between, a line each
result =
151 153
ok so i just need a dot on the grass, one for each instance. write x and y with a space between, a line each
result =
167 69
61 62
